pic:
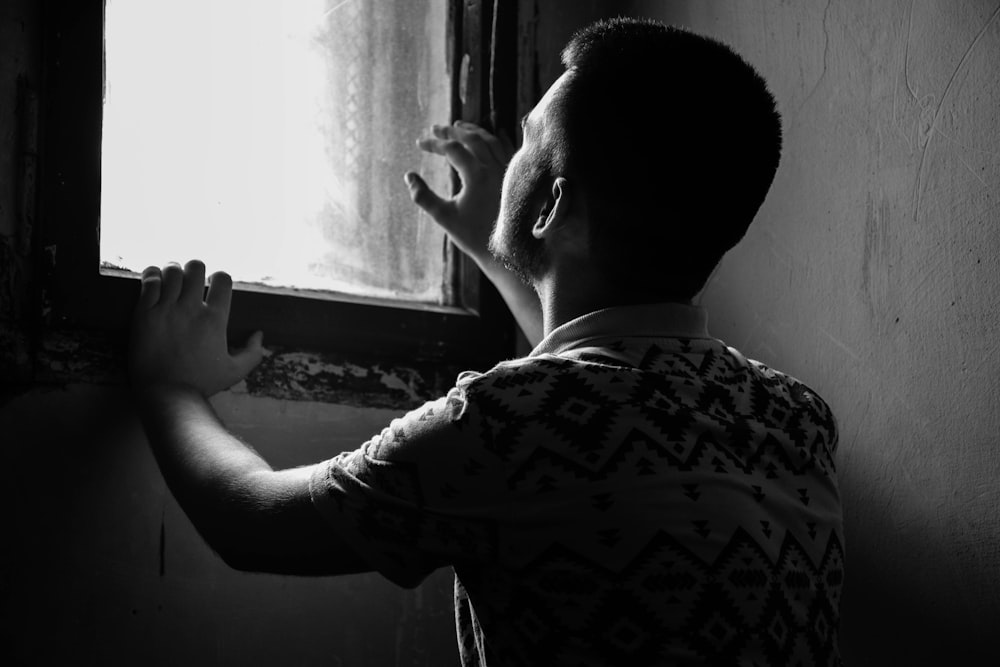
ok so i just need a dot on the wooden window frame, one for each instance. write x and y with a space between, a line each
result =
76 297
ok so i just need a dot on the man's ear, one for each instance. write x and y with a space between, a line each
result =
555 211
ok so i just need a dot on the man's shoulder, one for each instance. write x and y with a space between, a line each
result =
525 388
517 372
691 367
788 386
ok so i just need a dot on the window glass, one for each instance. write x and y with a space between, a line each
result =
269 138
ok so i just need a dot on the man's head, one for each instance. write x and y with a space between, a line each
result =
666 141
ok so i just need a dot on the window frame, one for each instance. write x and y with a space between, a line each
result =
76 296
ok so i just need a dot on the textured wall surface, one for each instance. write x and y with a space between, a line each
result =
872 274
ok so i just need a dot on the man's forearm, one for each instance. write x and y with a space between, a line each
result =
206 468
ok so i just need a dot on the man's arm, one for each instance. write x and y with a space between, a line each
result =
480 159
256 518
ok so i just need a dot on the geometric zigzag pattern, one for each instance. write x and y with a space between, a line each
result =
667 606
640 502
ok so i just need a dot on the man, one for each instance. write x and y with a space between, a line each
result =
633 492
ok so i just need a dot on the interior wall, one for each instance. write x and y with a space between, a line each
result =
871 273
103 568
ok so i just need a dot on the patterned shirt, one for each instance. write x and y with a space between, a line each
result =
634 492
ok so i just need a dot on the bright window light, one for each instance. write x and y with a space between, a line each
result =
269 139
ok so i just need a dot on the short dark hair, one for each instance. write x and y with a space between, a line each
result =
675 140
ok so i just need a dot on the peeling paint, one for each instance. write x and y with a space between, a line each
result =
411 385
332 378
78 357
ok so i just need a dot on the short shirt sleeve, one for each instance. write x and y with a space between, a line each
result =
417 496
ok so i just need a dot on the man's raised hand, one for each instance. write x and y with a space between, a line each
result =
178 333
480 159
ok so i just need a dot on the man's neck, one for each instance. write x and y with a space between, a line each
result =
567 295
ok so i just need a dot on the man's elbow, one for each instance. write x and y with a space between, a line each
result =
244 561
270 525
280 557
301 565
230 550
236 550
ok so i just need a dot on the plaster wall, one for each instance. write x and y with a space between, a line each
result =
872 274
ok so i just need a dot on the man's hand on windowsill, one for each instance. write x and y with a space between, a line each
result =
178 333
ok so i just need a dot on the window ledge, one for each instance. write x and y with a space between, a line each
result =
74 357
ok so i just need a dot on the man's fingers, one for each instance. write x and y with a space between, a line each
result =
425 198
485 145
220 292
436 138
472 138
149 290
173 280
475 143
193 288
458 155
480 147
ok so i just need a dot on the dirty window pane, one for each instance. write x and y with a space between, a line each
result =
269 138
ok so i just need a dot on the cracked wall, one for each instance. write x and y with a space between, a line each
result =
873 273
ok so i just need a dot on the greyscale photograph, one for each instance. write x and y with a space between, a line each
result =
500 333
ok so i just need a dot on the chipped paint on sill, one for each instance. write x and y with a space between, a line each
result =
73 357
330 378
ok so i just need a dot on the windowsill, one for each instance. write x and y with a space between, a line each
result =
73 356
322 295
349 351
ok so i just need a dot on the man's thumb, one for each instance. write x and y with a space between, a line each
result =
423 196
250 355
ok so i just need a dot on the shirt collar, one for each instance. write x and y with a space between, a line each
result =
652 320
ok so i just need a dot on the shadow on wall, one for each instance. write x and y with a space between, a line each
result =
891 612
100 565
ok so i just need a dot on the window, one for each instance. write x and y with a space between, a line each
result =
272 143
453 318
